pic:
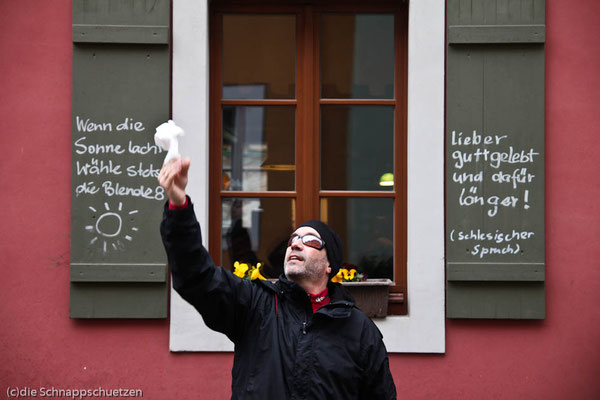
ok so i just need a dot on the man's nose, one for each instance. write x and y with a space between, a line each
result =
297 244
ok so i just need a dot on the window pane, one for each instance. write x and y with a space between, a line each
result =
259 56
256 230
357 56
366 227
357 147
258 148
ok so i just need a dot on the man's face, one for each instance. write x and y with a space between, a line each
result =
303 262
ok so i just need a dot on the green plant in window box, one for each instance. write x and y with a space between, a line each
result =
248 271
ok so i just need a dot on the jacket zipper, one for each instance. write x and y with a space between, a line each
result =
304 327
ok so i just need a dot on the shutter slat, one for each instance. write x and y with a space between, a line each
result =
491 272
120 34
118 273
462 34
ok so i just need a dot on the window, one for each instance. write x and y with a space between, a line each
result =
422 329
308 120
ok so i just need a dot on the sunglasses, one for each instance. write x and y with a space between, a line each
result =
309 240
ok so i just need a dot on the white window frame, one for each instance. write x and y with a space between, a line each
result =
423 329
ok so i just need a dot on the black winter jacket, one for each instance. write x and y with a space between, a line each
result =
282 349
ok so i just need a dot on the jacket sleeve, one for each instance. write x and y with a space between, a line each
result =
218 295
379 383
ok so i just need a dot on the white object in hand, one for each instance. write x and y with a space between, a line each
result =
166 137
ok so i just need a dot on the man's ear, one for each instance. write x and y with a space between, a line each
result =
328 269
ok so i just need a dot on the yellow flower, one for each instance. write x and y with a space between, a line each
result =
351 274
240 269
337 277
345 272
256 273
348 275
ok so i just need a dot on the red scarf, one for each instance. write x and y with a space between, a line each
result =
319 300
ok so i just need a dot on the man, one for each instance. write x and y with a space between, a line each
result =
298 338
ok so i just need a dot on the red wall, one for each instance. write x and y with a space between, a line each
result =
40 346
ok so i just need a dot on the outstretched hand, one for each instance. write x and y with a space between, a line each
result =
173 177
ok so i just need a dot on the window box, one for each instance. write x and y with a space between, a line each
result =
371 296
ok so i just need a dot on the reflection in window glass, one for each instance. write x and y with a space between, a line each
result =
366 227
357 147
256 230
258 148
357 56
259 51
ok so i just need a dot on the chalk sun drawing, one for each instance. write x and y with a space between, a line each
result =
109 229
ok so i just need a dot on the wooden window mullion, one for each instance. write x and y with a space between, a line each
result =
306 145
215 133
398 303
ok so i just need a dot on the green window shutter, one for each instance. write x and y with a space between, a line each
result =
121 93
495 257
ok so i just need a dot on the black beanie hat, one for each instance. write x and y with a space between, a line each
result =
333 244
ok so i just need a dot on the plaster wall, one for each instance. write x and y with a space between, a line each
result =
40 346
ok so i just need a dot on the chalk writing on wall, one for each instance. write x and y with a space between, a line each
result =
491 182
115 166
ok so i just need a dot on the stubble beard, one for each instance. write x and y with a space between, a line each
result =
311 270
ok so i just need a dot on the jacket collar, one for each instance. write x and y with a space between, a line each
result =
340 306
341 303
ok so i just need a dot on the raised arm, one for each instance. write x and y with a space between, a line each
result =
219 296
